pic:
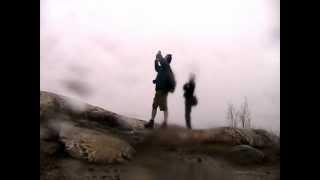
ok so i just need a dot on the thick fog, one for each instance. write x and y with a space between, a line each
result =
102 52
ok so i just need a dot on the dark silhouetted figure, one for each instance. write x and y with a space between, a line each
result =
165 83
190 99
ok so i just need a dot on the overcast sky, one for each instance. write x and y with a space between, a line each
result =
102 52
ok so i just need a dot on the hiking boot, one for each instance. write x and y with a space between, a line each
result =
149 125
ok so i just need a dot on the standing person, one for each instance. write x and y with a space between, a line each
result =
165 83
190 99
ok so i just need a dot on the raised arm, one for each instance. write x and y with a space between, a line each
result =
156 62
156 65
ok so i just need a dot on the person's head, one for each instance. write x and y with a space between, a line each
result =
159 55
168 58
192 77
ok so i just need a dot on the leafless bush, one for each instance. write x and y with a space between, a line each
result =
232 115
240 117
244 114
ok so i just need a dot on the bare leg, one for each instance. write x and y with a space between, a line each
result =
165 118
151 122
165 115
153 114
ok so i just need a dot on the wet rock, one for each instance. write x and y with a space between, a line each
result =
245 154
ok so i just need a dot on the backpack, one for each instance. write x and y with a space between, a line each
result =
171 84
194 101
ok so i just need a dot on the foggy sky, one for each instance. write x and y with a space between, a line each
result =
102 52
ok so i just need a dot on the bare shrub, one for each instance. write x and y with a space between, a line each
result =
240 117
232 116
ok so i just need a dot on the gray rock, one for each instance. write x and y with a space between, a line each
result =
245 154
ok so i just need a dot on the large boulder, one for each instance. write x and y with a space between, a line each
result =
95 146
83 131
245 154
236 136
53 105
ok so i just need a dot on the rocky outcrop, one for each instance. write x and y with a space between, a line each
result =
95 146
222 135
79 137
54 105
84 131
